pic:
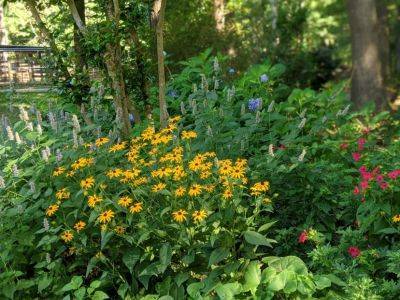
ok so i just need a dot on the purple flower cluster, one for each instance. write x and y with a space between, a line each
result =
254 104
264 78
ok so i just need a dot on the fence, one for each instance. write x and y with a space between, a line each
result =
21 65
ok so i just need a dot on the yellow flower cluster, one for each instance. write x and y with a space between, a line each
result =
155 170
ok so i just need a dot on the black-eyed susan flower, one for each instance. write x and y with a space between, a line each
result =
187 135
117 147
180 191
259 187
179 216
158 187
137 207
106 216
101 141
119 230
124 201
80 225
195 190
62 194
87 183
51 210
58 171
227 194
114 173
396 218
199 215
93 200
67 236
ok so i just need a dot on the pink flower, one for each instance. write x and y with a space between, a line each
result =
363 200
344 146
364 185
366 130
383 185
356 156
361 142
354 251
363 169
356 190
379 178
303 237
394 174
367 176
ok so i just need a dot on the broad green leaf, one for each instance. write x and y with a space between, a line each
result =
218 255
252 277
256 238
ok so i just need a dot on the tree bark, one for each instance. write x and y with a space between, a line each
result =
78 38
384 47
158 15
367 76
219 15
46 36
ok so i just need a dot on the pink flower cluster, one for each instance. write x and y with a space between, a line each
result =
368 176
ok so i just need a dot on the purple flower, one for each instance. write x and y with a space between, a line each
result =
172 93
231 71
254 104
264 78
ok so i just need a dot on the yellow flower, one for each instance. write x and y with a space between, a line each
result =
62 194
114 173
81 163
137 207
125 201
70 173
106 216
209 188
117 147
259 187
267 201
186 135
67 236
175 119
148 133
58 171
396 218
51 210
99 255
180 191
225 167
158 187
87 183
179 216
205 174
199 215
119 229
237 172
195 190
93 200
195 165
101 141
79 226
227 194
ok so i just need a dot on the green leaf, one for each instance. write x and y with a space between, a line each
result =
165 256
194 290
105 237
256 238
80 293
252 277
130 258
218 255
99 295
228 291
266 226
321 282
43 283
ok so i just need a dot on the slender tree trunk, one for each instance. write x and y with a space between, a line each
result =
3 36
78 37
158 20
46 36
219 15
367 78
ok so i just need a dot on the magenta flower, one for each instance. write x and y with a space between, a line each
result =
354 251
361 142
303 237
356 156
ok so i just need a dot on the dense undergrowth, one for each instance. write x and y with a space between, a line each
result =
255 190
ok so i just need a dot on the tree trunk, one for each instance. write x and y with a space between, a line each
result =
158 21
367 76
46 36
78 38
384 47
219 15
3 37
114 69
